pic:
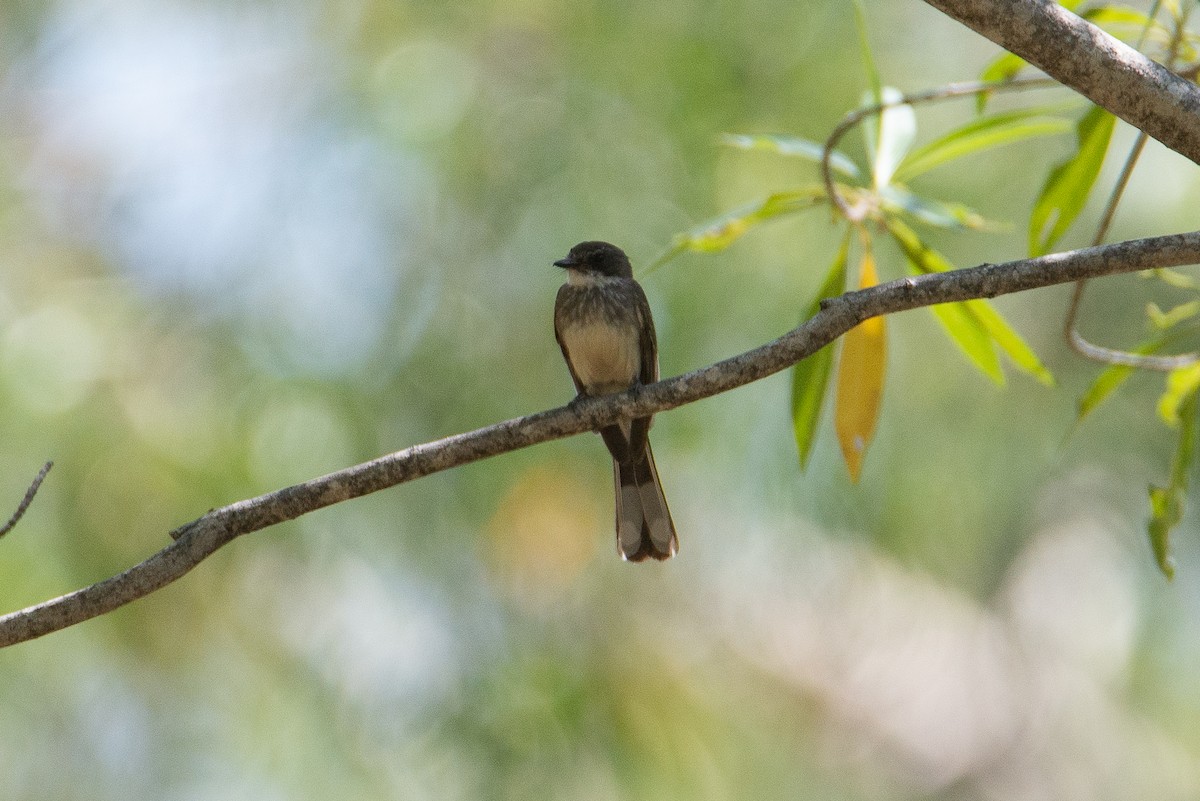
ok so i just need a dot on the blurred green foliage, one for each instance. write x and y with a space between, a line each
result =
241 245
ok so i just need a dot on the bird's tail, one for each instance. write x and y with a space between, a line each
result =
644 525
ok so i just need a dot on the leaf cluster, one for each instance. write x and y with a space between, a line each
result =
876 201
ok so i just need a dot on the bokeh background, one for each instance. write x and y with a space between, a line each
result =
243 244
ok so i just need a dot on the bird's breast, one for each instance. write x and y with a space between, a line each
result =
605 354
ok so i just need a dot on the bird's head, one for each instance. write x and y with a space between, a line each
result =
597 258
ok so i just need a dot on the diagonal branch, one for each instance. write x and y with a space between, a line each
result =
200 538
1078 54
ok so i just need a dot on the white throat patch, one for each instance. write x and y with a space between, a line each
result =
581 278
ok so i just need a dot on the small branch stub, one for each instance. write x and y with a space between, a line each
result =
28 499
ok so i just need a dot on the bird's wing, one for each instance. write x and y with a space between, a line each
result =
648 370
562 345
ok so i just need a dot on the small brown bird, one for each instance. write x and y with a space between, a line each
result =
603 325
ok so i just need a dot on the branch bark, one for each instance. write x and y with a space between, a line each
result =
1078 54
200 538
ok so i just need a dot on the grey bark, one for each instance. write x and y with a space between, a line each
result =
1078 54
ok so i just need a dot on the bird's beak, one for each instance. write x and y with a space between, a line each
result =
566 263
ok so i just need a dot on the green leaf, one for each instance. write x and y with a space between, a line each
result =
1111 378
1122 21
890 139
1004 67
977 323
1069 183
868 59
810 376
1163 320
1166 510
966 332
934 212
980 135
1016 348
1182 384
1187 48
1166 503
792 146
1137 27
721 232
960 325
1173 278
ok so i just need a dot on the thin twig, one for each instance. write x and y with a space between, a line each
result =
1078 343
200 538
947 92
28 499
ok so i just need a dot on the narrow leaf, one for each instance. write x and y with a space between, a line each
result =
968 335
1119 15
1187 48
1163 320
860 381
1009 341
721 232
937 213
1166 510
896 130
1004 67
1070 182
980 135
977 319
1111 378
810 376
868 59
1166 503
1173 278
964 330
1182 384
1124 22
792 146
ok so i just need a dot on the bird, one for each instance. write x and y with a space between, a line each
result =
603 325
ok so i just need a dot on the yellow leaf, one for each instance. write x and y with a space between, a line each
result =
860 380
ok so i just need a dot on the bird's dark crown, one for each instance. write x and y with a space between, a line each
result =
597 257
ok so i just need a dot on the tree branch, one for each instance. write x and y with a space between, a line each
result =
1078 54
200 538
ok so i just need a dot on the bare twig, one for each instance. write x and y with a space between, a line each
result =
200 538
1099 353
28 499
1076 53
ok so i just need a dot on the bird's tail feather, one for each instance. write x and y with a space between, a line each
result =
644 525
